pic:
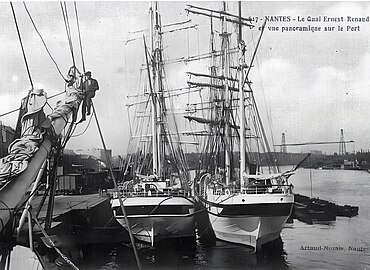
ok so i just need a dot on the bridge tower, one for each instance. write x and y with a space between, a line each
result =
283 143
342 144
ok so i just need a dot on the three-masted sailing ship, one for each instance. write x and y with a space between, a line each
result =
156 195
247 199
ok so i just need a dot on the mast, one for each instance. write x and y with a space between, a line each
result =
213 71
224 89
153 38
158 61
241 46
225 72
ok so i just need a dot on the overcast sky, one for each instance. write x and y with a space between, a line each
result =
311 84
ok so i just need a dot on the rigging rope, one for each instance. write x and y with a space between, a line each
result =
268 110
79 37
116 188
69 133
68 30
15 110
84 129
20 41
47 50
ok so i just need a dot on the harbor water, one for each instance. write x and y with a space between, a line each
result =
342 244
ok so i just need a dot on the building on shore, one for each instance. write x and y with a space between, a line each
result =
84 172
6 138
77 161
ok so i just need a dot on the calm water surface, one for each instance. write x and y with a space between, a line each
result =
341 187
338 186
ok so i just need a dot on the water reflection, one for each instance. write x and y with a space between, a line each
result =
230 256
189 255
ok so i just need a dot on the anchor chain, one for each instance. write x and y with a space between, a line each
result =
64 257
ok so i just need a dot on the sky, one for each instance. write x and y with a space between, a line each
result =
308 85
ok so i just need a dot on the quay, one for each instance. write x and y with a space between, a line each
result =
79 222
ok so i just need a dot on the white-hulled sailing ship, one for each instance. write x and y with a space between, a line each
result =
156 198
247 199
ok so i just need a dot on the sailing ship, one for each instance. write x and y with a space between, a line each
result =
156 194
247 198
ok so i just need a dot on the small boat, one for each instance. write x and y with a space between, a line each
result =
315 210
309 215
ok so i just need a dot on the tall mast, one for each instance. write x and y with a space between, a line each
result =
241 46
154 93
213 114
225 73
161 103
158 65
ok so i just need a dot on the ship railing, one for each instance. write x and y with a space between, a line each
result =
155 193
260 189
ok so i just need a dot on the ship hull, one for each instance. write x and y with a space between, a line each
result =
250 231
247 219
154 219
